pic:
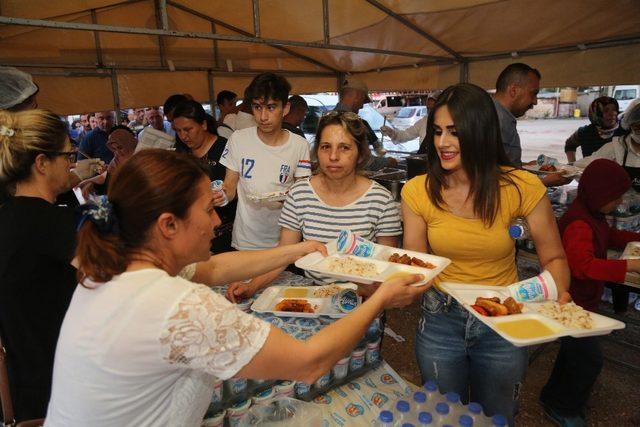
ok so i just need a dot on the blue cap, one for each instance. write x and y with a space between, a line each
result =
452 397
431 386
419 397
386 416
516 231
499 420
442 408
425 417
402 406
465 421
475 408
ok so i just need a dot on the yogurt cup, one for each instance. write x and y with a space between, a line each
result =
357 359
285 389
341 369
217 392
216 420
237 413
546 160
535 289
302 389
345 301
264 397
350 243
323 381
373 352
236 386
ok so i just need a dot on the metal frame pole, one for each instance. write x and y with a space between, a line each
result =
325 21
96 40
256 18
116 95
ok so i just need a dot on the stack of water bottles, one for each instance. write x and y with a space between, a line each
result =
428 407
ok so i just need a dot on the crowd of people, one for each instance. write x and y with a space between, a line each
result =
127 331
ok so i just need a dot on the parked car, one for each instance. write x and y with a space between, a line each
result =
625 94
408 116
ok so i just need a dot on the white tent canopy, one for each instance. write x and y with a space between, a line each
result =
97 54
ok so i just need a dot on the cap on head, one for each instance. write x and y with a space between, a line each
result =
354 83
15 87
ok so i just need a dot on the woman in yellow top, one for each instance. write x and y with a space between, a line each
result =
461 210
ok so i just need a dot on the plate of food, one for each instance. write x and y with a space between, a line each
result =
631 251
529 323
381 263
303 301
569 171
274 196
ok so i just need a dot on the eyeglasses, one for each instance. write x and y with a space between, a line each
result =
72 156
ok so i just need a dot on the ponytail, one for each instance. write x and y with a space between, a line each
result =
100 255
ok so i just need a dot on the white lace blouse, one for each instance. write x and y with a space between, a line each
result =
143 350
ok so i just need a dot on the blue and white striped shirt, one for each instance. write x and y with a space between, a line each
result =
375 214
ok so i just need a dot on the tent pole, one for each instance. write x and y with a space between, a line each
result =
464 72
212 94
325 21
116 95
96 40
162 22
42 23
404 21
256 18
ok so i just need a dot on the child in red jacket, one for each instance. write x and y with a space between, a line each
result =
586 237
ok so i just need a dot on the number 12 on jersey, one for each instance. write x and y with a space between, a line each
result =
246 167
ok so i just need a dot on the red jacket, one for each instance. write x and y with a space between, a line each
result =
589 273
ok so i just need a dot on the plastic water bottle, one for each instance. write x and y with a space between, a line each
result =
425 419
419 401
442 413
519 229
465 421
498 421
475 411
403 408
455 406
217 187
385 419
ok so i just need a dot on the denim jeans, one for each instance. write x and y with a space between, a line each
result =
463 355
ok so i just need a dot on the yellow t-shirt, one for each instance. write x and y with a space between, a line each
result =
479 254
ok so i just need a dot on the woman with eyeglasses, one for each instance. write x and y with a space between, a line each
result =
338 197
37 243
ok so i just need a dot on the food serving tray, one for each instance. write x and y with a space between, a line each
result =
319 297
274 196
384 269
466 295
568 171
631 251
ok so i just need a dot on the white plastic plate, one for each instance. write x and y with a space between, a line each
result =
467 294
568 171
631 251
384 269
275 196
266 302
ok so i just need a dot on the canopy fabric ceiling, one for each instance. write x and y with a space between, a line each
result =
211 45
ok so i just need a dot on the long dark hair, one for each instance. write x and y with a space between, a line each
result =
193 110
482 153
150 183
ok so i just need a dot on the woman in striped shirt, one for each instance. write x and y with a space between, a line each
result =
336 198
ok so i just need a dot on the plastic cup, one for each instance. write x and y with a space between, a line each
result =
302 389
236 386
341 369
285 389
237 413
350 243
264 397
373 352
216 420
535 289
217 392
357 359
345 301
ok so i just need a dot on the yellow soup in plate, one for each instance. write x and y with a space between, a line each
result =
525 329
295 293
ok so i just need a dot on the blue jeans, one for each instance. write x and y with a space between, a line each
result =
463 355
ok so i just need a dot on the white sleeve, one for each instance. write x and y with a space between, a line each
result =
230 120
188 272
208 333
607 151
303 167
410 133
229 156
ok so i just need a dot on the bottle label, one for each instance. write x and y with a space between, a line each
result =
531 290
349 243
